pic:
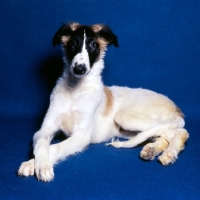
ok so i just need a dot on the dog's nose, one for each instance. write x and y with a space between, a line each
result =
79 69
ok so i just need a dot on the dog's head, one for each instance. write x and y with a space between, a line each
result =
84 45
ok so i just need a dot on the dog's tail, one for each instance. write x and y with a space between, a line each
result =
154 131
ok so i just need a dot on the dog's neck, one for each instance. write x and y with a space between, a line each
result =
93 78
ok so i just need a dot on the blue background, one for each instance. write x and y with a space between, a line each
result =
159 50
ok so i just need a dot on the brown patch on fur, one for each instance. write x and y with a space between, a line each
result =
163 144
109 101
102 44
64 39
183 138
97 27
74 26
179 112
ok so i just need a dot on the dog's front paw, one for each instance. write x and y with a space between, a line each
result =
26 168
44 170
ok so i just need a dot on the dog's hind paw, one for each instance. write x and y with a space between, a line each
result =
169 156
26 168
148 152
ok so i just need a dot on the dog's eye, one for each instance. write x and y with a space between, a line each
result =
73 43
93 45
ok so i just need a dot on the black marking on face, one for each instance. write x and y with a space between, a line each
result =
76 43
81 44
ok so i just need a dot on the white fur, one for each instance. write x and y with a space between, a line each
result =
82 112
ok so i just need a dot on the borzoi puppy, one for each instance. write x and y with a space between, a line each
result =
89 112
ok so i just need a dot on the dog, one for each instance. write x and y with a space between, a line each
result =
89 112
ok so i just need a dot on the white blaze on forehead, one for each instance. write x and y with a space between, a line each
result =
82 57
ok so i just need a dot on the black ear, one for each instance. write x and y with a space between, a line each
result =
107 34
64 30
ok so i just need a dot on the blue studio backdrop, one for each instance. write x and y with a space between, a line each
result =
159 46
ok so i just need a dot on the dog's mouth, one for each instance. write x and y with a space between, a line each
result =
79 76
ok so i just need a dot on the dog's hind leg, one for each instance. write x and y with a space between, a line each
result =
176 144
131 120
149 128
139 122
172 140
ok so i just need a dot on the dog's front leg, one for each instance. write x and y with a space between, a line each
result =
70 146
43 166
84 117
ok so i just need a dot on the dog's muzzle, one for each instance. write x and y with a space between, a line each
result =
79 69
